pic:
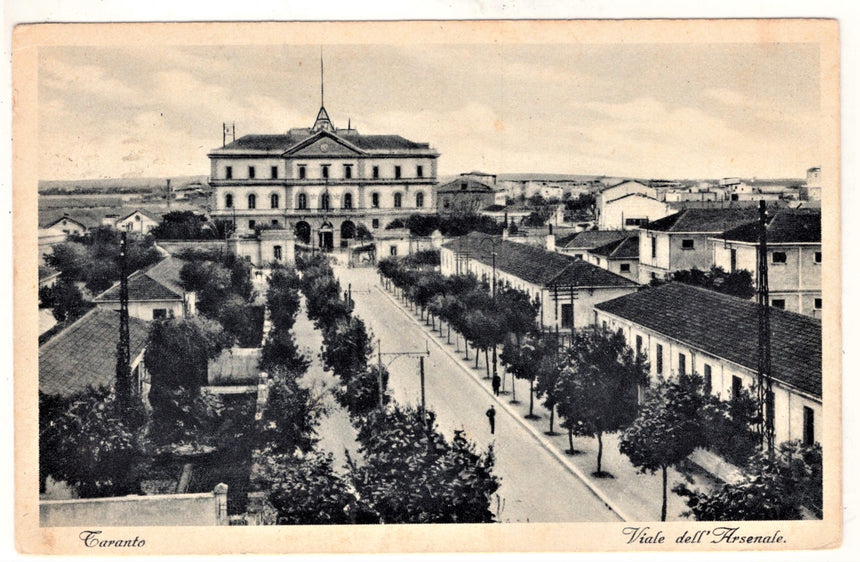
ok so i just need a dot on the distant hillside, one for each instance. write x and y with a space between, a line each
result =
115 185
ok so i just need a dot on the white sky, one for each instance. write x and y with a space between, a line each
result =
669 111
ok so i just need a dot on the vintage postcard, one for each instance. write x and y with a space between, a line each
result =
487 286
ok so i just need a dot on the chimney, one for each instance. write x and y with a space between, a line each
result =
550 242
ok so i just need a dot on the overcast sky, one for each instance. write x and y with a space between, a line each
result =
662 111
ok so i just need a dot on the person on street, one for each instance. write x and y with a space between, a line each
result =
497 382
491 415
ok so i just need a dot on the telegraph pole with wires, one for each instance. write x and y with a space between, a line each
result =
123 347
394 355
765 382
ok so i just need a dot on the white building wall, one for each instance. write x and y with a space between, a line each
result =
616 213
788 402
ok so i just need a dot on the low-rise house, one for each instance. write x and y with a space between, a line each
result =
620 189
794 258
579 244
153 294
681 241
84 354
137 221
466 196
686 329
566 287
67 225
812 190
630 211
619 256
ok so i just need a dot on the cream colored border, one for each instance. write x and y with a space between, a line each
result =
408 538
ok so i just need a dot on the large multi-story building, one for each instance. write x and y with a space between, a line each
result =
321 182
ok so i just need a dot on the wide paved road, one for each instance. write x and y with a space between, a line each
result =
534 485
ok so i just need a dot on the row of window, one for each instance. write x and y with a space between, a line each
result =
690 244
737 388
252 224
780 303
325 201
325 172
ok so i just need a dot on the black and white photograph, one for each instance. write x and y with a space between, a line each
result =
350 276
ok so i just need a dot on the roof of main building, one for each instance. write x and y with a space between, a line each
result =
285 142
727 327
536 265
84 354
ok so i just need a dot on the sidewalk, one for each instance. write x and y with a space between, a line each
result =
634 496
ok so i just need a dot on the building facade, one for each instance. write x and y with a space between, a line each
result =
137 221
682 240
631 211
466 196
321 183
794 258
565 287
686 329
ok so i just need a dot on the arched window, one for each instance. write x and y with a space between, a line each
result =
228 201
252 201
325 202
275 201
347 201
419 199
374 200
303 201
398 200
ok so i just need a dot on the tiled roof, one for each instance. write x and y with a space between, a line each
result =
786 227
85 353
536 265
704 220
144 287
590 239
456 186
727 327
166 272
83 222
635 194
142 212
626 248
295 136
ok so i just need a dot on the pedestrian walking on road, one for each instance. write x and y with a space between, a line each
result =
491 415
497 382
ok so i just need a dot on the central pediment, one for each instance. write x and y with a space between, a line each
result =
322 145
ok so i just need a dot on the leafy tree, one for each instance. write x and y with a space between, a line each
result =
291 416
83 442
282 297
280 350
396 223
177 356
347 347
71 259
412 474
360 395
182 225
771 488
305 490
362 234
671 424
737 283
68 302
601 379
548 377
523 359
731 431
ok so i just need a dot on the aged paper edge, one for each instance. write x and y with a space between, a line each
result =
30 538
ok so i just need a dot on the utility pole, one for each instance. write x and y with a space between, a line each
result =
765 383
394 355
421 367
123 347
